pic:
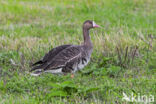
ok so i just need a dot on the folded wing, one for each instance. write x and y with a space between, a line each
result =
48 57
68 55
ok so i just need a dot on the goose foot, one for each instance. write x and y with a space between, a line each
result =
72 76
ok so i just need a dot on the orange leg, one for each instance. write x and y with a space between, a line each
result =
72 75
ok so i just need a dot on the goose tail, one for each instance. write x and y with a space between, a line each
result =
38 62
36 73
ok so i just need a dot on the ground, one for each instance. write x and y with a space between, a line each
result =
123 59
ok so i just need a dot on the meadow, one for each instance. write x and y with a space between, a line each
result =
123 59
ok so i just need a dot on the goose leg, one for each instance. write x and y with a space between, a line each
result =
72 75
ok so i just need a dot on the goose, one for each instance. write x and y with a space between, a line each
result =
67 58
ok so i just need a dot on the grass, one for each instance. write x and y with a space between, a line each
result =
123 58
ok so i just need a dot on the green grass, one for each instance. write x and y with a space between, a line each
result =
123 58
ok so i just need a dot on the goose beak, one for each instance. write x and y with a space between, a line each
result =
95 25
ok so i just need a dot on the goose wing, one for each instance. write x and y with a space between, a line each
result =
66 56
49 56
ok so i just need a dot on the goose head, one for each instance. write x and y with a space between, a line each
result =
89 24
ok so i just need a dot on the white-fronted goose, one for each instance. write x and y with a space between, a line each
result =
67 58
